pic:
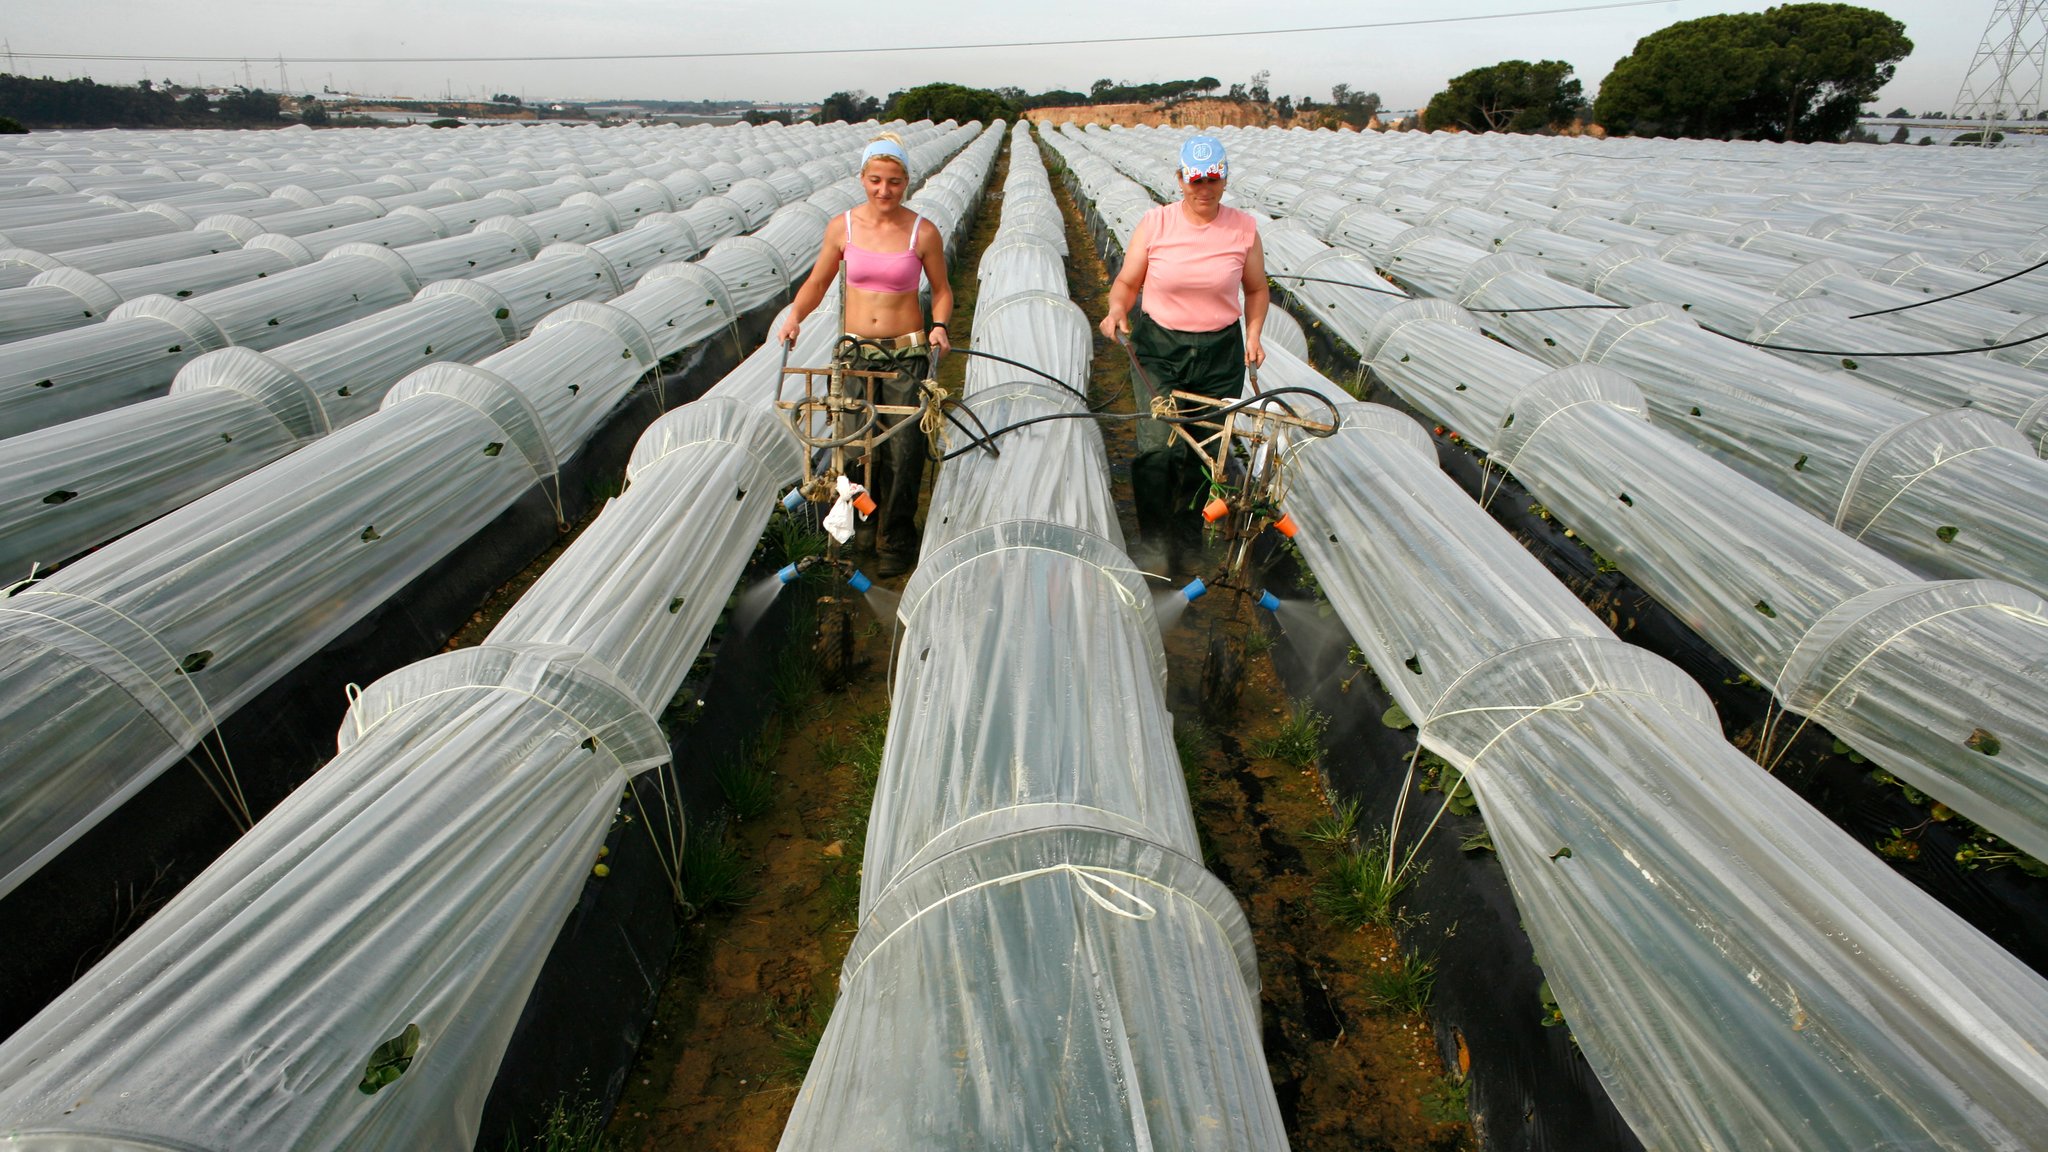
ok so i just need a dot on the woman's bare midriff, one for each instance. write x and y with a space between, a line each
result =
883 313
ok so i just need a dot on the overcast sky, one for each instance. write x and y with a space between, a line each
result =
1404 65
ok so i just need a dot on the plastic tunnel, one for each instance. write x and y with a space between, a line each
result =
1042 960
154 638
430 864
1719 919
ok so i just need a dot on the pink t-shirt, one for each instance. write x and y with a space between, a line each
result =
1194 272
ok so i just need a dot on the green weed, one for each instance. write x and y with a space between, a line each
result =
1300 739
1354 889
797 1035
1405 987
794 681
567 1129
1337 826
748 785
1443 1102
794 538
713 871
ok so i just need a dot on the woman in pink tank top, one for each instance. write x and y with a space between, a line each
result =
1191 260
886 250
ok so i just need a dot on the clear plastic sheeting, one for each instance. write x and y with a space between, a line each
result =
345 920
1738 972
1752 573
1754 979
78 484
489 239
1042 958
1951 493
67 488
261 573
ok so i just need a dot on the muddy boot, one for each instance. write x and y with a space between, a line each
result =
894 562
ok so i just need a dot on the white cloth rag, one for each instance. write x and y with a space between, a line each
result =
840 520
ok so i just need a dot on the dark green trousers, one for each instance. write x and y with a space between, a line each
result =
899 464
1168 481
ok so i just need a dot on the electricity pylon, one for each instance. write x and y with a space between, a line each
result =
2004 80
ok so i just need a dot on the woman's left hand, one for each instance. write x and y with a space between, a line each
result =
939 340
1254 352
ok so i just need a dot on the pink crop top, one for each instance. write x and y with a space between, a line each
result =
872 271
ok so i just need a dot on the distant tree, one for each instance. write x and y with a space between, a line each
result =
1351 106
1923 141
1284 107
506 98
763 116
1795 72
1978 138
948 102
1236 93
9 126
250 106
196 105
852 107
47 103
312 112
1511 96
1902 135
1208 84
1096 90
1258 90
445 122
1898 114
1934 115
1054 98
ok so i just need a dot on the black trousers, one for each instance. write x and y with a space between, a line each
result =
897 470
1168 481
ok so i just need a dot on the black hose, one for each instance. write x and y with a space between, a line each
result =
1874 355
1338 283
1336 418
1953 295
1033 369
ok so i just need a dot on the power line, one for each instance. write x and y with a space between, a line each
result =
751 53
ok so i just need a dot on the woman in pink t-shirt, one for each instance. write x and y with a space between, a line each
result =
1192 260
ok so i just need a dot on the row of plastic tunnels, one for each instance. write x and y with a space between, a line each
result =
251 396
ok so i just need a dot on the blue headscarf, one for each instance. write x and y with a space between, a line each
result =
888 148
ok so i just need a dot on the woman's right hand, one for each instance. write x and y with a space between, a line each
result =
1114 323
790 331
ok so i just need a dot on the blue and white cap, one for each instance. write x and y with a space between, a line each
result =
1202 157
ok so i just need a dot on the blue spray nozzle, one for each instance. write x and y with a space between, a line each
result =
859 581
788 574
1268 601
793 499
1195 590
